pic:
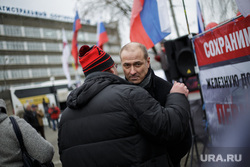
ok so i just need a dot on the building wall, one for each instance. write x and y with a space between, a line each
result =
31 49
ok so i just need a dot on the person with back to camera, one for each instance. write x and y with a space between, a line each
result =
136 67
110 122
39 116
10 152
31 117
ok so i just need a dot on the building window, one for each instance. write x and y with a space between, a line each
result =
56 71
1 45
37 59
12 31
52 59
52 46
17 59
39 72
32 32
15 45
81 36
112 38
35 46
2 60
15 74
91 37
69 35
50 33
3 74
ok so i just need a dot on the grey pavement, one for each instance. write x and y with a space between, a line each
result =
52 136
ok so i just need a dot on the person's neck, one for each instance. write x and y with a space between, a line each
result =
146 80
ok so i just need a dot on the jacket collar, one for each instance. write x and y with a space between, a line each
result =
93 84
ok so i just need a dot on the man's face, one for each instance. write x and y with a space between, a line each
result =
28 107
134 65
33 108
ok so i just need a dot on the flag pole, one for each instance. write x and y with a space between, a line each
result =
186 16
174 19
194 141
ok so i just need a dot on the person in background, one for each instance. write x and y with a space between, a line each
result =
30 117
111 122
46 108
20 111
54 112
136 67
39 116
10 152
162 58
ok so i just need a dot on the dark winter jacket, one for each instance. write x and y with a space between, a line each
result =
159 89
111 123
156 86
31 118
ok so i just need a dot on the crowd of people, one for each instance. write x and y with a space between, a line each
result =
141 120
34 115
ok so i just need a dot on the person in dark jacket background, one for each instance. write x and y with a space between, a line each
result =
110 122
31 117
136 67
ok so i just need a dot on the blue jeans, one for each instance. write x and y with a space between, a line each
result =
55 123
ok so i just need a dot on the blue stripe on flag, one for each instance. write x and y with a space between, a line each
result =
150 21
199 17
102 28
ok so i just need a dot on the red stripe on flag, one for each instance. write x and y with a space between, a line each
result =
136 26
103 38
141 37
78 25
74 49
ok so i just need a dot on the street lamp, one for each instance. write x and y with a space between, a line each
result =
52 79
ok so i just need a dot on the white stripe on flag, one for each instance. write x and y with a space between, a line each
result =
199 17
65 57
163 16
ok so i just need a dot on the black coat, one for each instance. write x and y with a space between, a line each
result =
110 123
30 117
159 89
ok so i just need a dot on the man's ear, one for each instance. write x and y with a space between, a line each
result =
113 70
148 61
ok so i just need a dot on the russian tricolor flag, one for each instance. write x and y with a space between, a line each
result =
199 18
149 22
102 36
74 50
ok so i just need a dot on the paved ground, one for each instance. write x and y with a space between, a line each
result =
52 136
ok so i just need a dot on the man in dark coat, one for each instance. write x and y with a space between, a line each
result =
31 117
136 66
109 122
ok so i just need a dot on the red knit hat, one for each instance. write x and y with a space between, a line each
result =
94 59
